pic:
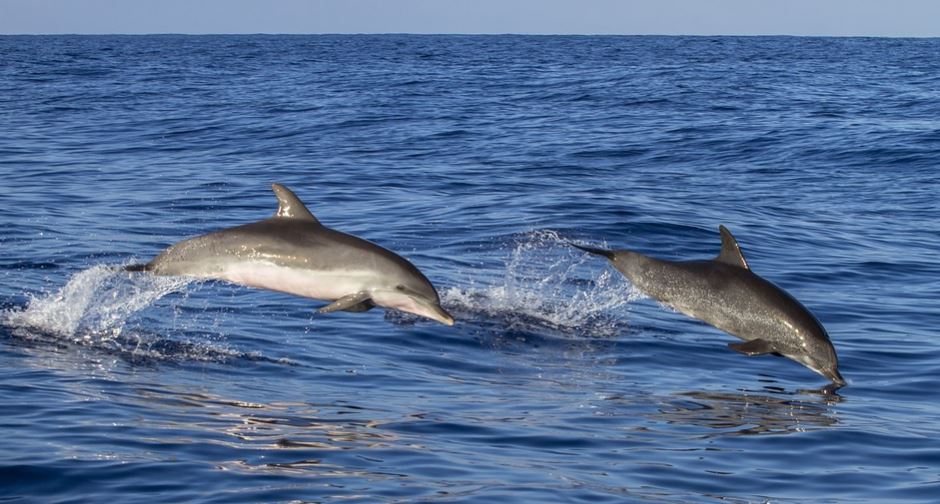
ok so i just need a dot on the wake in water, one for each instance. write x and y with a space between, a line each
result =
549 284
94 304
547 287
93 310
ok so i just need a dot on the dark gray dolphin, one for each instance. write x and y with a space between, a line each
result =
725 293
292 252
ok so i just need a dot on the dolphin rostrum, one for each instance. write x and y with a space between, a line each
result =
292 252
725 293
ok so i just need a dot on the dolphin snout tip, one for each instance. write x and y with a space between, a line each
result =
438 313
836 378
446 318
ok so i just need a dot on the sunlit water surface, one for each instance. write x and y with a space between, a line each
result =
477 158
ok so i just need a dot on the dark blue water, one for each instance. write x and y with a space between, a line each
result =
474 157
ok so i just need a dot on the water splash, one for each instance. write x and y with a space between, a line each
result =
95 304
549 284
94 309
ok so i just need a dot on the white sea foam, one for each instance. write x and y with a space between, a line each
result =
94 308
95 303
549 283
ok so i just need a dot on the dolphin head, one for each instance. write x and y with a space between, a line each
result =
410 291
829 369
820 356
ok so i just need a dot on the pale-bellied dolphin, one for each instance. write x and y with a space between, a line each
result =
725 293
292 252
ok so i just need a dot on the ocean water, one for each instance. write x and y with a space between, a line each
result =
477 158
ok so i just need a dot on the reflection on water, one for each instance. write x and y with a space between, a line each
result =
269 426
749 414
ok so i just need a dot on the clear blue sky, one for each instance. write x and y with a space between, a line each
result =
914 18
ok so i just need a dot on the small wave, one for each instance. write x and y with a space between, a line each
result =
549 285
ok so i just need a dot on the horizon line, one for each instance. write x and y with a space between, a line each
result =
468 34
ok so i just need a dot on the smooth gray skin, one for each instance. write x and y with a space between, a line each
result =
293 252
724 293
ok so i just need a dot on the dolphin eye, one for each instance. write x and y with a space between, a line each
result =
400 287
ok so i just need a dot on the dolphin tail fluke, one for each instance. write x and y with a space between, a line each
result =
137 267
602 252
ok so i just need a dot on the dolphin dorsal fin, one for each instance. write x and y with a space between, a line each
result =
289 205
730 251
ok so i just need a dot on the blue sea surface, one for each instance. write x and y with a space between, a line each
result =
477 158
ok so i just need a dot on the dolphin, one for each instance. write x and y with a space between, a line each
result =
293 252
726 294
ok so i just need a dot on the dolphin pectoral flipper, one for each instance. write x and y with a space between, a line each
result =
754 347
366 305
359 301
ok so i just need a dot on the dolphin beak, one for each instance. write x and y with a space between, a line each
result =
836 377
428 309
414 303
439 314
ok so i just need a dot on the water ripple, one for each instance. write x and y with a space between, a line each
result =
477 158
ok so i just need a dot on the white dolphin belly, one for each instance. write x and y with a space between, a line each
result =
316 284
